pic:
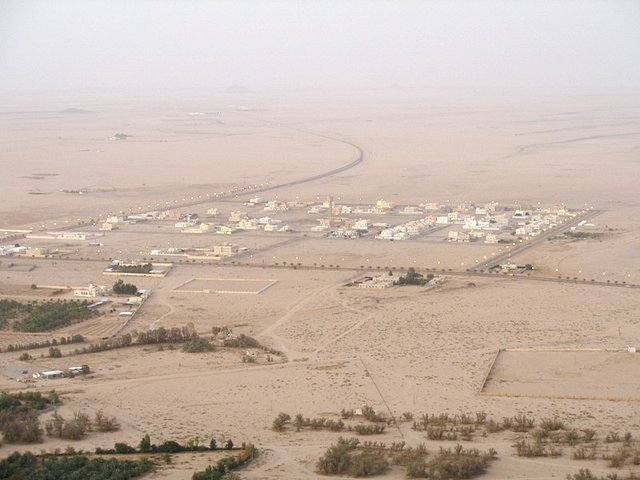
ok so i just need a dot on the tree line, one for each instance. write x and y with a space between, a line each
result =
43 316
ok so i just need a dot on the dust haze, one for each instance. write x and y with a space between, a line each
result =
418 207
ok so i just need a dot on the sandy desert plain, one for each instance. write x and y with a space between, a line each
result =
402 349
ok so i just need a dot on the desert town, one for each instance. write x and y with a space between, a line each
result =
291 311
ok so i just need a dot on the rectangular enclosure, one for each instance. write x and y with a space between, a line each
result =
577 374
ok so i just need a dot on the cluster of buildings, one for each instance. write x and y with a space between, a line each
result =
237 220
215 252
25 251
486 223
406 230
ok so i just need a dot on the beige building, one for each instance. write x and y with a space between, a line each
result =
90 291
224 250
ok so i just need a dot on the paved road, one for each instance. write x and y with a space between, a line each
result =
358 159
286 265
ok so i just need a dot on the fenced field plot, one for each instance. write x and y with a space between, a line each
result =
576 374
249 286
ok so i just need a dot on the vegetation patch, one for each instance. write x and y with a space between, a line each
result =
582 235
143 268
226 464
45 343
121 288
414 278
43 316
198 345
19 415
19 466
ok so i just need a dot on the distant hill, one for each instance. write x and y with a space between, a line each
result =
237 89
75 110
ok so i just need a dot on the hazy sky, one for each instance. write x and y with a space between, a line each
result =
346 43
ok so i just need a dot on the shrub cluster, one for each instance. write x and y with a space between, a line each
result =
345 458
19 415
121 288
18 466
456 463
321 423
242 341
198 345
414 278
169 446
149 337
77 427
226 464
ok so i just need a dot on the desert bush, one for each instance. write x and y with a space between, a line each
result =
539 435
459 463
522 423
23 429
585 453
337 459
551 424
612 437
418 469
492 426
618 458
54 352
481 418
103 423
367 463
466 433
369 429
345 414
528 449
280 421
583 474
123 449
370 414
410 456
407 416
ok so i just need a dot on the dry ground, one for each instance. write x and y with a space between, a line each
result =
398 350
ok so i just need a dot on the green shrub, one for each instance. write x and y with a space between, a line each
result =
197 345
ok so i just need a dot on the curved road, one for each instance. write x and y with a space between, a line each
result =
359 158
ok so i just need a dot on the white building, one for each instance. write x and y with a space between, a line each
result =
361 225
376 283
237 216
248 224
410 210
491 238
